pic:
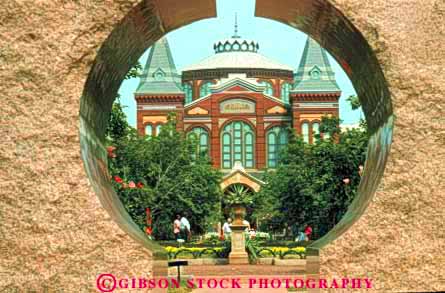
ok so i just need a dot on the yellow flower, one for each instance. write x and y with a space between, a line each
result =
170 249
299 249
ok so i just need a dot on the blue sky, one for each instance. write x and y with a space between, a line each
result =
194 42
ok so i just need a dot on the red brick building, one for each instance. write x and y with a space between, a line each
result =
238 103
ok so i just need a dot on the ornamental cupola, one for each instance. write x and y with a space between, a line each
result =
235 55
236 44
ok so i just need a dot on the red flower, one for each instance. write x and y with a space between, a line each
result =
346 180
140 185
148 230
110 148
131 184
118 179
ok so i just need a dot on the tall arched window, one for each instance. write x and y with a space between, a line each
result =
285 90
315 131
205 89
305 132
269 89
148 130
277 139
158 129
188 93
201 137
238 142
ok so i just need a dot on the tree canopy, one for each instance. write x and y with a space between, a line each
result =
314 184
165 179
159 173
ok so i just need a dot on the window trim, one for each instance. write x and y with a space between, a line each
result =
309 130
205 131
263 82
145 129
278 146
286 98
252 131
312 134
201 86
188 92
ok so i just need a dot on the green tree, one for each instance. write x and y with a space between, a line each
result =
354 102
167 179
173 182
314 184
117 123
330 126
118 126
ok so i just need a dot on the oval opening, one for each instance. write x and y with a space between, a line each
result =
147 23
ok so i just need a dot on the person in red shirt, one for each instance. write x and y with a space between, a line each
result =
308 232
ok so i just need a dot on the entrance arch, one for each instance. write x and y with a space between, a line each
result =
238 175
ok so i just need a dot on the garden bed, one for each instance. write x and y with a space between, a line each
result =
208 254
197 252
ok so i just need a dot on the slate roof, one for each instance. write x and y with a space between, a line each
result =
160 75
314 73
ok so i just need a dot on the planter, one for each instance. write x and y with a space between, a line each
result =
239 210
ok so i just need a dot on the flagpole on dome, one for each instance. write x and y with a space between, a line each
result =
235 35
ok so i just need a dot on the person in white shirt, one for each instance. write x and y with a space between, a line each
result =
185 228
226 227
247 224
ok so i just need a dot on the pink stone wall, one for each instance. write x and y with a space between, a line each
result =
54 232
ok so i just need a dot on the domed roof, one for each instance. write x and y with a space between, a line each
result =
237 59
237 53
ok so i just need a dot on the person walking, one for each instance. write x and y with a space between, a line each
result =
185 228
177 227
226 228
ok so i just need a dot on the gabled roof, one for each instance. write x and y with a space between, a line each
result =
238 175
232 81
314 73
237 80
160 75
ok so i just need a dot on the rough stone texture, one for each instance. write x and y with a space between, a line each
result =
55 234
399 241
